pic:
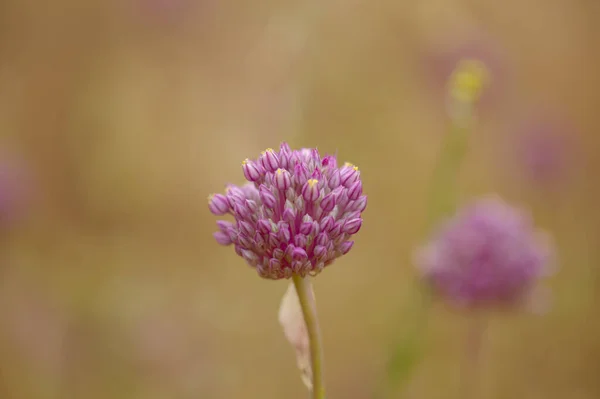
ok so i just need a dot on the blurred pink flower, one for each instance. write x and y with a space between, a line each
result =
489 254
545 149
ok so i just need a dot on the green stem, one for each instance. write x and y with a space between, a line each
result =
309 311
471 371
442 201
442 197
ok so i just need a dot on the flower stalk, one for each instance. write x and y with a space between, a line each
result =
309 311
474 347
465 86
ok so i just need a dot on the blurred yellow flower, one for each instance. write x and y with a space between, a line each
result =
468 81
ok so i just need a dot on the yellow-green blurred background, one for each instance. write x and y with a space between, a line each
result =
129 113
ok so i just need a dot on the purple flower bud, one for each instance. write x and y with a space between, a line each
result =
305 155
273 240
250 257
274 265
252 171
241 212
299 254
335 179
300 241
287 254
267 197
244 241
329 162
249 191
289 215
278 253
224 226
300 174
283 179
351 215
297 267
232 235
322 239
327 223
345 247
222 238
252 206
284 232
360 204
315 229
355 190
352 226
316 174
284 155
349 174
246 228
314 155
235 191
328 202
269 160
259 241
320 251
336 230
234 198
305 228
218 204
263 226
299 203
310 190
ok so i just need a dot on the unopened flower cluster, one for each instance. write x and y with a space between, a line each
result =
488 254
296 214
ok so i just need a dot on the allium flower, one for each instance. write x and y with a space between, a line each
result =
488 254
546 148
295 216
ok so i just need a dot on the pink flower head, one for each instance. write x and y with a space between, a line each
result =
546 150
295 216
488 254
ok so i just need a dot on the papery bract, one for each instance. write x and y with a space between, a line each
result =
294 327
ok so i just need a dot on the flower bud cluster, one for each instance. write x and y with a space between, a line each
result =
296 215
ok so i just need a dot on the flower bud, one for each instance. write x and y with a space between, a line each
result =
252 171
269 160
267 197
282 179
310 190
218 204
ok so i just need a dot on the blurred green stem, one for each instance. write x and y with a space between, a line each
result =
407 350
443 190
471 370
442 201
309 311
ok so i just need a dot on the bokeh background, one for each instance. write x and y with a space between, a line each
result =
118 118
